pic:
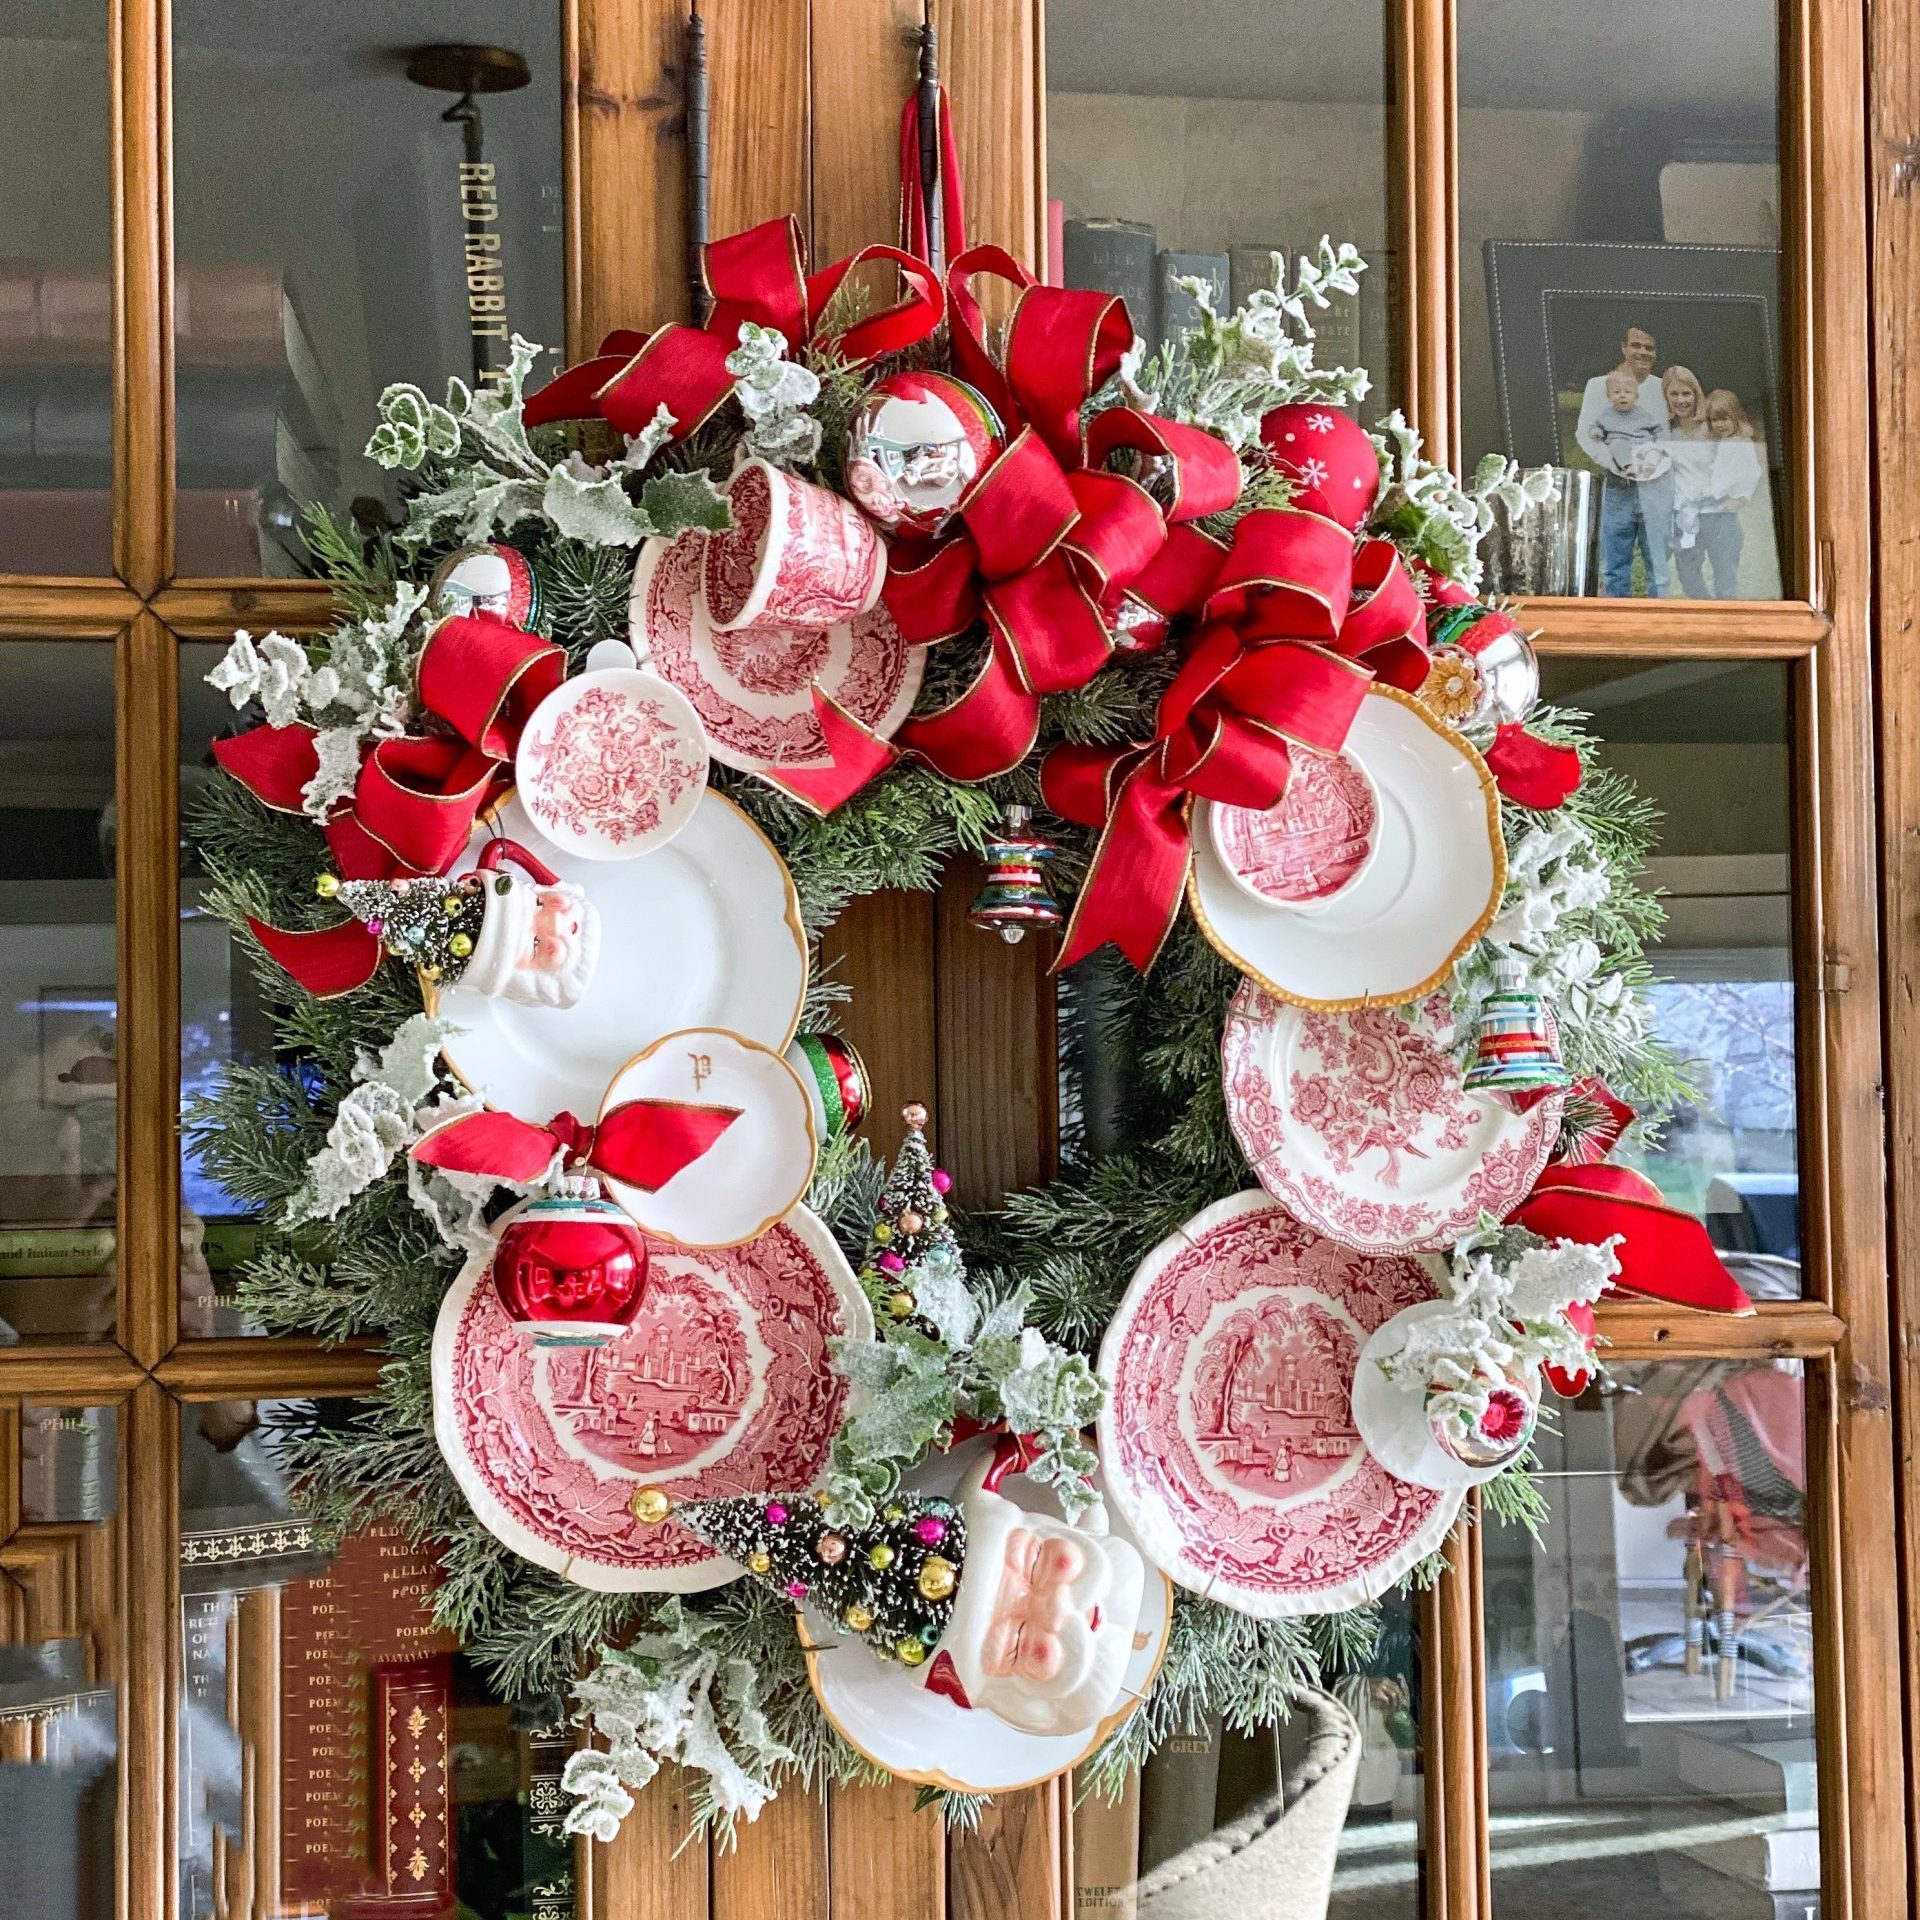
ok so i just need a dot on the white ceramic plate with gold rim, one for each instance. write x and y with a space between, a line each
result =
756 1171
884 1713
1430 889
703 932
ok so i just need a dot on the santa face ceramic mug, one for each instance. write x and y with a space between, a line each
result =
795 556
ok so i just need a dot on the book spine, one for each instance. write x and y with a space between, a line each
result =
1106 1852
1178 1790
1179 310
1114 256
1251 270
36 1253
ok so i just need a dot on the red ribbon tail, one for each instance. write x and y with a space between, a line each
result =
644 1143
988 731
274 764
493 1144
1532 772
326 962
1131 896
855 755
1570 1382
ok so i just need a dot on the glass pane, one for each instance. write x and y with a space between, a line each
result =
334 231
1650 1697
58 999
60 1661
221 1023
337 1757
56 296
1620 288
1214 1810
1707 741
1204 152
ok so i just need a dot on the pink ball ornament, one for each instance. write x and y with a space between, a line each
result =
892 1263
776 1513
942 1180
1328 457
930 1530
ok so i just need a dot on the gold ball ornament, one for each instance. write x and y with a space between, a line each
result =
880 1557
451 905
650 1505
911 1652
460 945
900 1305
760 1561
911 1222
882 1233
857 1617
327 885
936 1577
938 1216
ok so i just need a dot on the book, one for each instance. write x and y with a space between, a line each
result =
1253 269
1694 1889
1178 311
1771 1775
1178 1790
1114 256
1106 1852
1056 259
69 1463
58 1252
1380 309
1784 1859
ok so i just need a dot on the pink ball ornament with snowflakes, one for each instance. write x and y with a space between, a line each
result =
1328 457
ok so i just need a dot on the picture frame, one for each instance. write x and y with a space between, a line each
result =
1559 310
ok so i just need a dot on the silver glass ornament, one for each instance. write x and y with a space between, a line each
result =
915 445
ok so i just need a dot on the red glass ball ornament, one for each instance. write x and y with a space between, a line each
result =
571 1268
917 442
1328 457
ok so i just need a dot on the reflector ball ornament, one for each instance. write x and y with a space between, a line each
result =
571 1267
915 446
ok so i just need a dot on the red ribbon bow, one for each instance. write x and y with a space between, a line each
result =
639 1143
417 797
1664 1254
1297 623
760 276
1047 542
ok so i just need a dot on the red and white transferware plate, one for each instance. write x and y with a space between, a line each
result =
1358 1124
753 687
612 764
1314 845
756 1171
722 1383
1393 928
703 932
1228 1438
883 1712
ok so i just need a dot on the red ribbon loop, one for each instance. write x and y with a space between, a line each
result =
417 797
761 276
1284 657
640 1143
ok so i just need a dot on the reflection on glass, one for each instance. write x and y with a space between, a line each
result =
59 1667
1620 292
346 216
56 298
222 1022
1650 1698
1707 741
1205 152
336 1755
57 991
1215 1811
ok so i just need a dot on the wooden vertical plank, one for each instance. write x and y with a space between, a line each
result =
778 1865
884 1856
1453 1734
150 1617
1425 200
646 1874
147 892
1012 1865
139 42
757 59
990 60
632 187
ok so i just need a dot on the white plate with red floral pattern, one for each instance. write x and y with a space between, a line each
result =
1402 900
723 1382
753 688
1359 1125
1228 1439
884 1712
703 932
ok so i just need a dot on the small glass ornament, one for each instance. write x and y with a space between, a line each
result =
571 1267
1505 672
1498 1434
494 579
915 446
1515 1053
1016 895
836 1081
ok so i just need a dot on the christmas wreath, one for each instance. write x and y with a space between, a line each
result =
669 660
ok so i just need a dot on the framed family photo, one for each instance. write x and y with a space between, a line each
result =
1657 368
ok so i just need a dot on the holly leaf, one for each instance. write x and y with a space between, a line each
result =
674 502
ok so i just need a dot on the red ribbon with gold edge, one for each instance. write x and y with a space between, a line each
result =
1047 541
1664 1254
417 797
760 276
1296 626
914 234
640 1143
